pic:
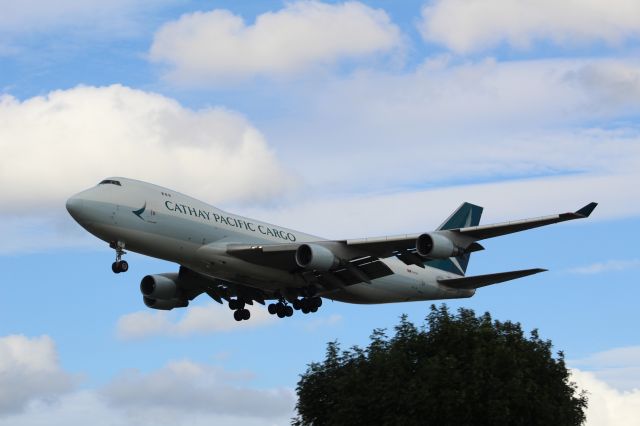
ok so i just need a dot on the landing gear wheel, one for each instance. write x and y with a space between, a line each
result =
245 314
296 304
317 301
288 311
272 308
119 265
237 315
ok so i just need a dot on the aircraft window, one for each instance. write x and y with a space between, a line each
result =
110 182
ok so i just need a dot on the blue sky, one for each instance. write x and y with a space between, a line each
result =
339 119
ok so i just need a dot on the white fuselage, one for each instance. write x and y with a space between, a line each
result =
165 224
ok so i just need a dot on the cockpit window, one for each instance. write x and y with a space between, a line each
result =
110 182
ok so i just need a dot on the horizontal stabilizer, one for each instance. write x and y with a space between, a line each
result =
484 280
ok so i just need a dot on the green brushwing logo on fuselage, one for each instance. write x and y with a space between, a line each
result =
140 211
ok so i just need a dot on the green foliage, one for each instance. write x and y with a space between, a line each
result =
453 370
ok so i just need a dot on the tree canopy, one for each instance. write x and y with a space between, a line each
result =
455 369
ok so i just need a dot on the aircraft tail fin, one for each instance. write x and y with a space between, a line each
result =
465 216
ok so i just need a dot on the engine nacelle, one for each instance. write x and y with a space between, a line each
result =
163 286
165 304
436 246
317 257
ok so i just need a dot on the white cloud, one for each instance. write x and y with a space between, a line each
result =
59 144
624 356
180 393
608 406
612 83
187 386
29 370
209 46
210 318
607 266
618 367
466 121
69 140
467 26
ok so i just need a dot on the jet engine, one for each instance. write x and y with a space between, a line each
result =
165 305
436 246
316 257
162 292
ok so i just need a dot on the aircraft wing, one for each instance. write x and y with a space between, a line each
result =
354 268
359 259
465 236
495 230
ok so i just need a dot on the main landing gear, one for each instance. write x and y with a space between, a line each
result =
281 309
241 313
306 305
305 301
119 265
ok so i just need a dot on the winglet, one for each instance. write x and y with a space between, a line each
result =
586 210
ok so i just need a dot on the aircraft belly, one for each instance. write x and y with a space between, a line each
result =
394 288
406 284
248 274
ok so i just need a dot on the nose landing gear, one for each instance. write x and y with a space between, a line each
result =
119 265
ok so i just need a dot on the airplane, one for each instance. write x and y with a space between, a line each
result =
240 261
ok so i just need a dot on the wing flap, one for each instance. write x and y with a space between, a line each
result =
477 281
384 246
357 271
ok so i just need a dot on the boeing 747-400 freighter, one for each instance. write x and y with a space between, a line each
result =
242 261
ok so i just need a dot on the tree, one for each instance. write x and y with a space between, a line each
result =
456 369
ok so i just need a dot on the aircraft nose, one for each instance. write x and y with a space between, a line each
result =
74 207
